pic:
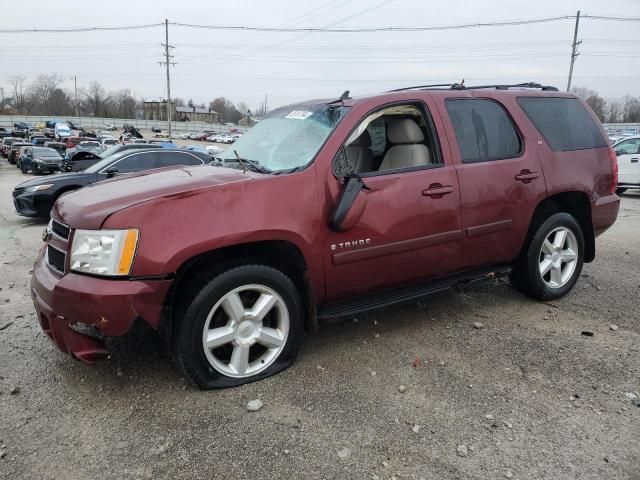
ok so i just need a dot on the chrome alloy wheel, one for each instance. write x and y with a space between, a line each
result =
245 331
558 257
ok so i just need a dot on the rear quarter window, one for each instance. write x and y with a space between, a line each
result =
563 122
484 131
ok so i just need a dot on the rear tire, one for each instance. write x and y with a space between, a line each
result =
552 259
23 169
238 326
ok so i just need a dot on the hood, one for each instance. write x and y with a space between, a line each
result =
60 179
89 207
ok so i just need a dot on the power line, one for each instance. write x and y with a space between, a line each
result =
506 23
80 29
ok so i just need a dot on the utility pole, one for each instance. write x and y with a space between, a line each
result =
574 50
167 56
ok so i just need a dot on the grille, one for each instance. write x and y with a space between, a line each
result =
55 258
60 229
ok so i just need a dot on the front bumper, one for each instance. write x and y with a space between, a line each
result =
69 304
32 204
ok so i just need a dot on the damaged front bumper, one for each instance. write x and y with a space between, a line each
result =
78 311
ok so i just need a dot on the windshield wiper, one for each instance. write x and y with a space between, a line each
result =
246 164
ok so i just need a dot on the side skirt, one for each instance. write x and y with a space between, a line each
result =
368 302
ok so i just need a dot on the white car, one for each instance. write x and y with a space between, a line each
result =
228 139
213 149
184 136
107 142
628 153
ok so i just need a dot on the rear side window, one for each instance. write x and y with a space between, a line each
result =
483 130
563 122
168 159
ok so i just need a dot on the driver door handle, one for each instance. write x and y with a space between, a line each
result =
437 190
526 176
634 160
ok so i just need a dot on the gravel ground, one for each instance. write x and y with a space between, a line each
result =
526 396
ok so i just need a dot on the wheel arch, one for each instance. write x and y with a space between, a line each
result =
575 203
280 254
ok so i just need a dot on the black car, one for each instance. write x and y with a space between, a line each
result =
39 160
80 160
59 147
35 198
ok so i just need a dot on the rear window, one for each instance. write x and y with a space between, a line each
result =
563 122
483 130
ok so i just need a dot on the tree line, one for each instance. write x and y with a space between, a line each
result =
620 110
44 95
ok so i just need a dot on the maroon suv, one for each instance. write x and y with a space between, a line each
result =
325 209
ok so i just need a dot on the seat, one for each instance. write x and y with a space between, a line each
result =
359 154
408 149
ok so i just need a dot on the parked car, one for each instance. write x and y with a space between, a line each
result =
59 147
156 129
74 125
50 128
82 160
74 141
227 139
110 127
107 142
20 129
35 198
628 153
40 160
6 144
62 131
14 150
213 150
102 134
327 209
39 141
84 146
4 133
18 156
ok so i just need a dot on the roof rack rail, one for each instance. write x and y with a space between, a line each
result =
507 86
420 86
462 86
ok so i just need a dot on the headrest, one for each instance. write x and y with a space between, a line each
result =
404 131
364 140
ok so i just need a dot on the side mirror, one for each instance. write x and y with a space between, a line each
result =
111 172
350 206
619 152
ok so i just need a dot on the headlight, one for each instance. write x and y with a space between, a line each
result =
37 188
104 252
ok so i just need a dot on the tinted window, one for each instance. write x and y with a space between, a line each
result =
137 162
563 122
483 130
177 158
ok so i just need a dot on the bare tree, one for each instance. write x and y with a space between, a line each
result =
19 93
614 111
630 109
41 93
95 97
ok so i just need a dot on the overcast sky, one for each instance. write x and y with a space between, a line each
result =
246 66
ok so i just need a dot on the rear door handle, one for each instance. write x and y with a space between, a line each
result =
525 176
437 190
634 160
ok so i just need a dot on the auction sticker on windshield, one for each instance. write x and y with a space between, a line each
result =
299 114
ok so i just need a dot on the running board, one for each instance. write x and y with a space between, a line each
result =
352 306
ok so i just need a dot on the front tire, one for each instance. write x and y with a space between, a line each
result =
552 260
238 326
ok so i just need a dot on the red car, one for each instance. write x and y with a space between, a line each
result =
326 209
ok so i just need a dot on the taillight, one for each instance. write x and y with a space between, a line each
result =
614 170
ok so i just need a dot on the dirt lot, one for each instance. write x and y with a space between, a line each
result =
527 396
